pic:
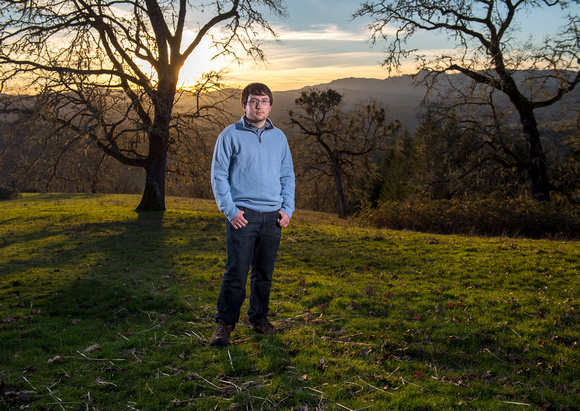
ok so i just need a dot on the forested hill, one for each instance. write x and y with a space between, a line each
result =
398 92
403 98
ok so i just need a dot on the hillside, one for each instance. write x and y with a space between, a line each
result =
103 308
402 98
398 93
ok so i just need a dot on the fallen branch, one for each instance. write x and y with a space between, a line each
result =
100 359
231 362
328 339
396 369
25 379
376 388
198 336
487 349
151 329
100 381
516 403
58 400
238 389
209 382
515 332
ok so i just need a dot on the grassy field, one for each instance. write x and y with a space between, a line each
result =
105 309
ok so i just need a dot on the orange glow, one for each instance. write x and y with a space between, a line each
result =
201 61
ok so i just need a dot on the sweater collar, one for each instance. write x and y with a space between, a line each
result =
250 126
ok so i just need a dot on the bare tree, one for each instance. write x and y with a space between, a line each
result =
335 139
109 69
33 159
488 53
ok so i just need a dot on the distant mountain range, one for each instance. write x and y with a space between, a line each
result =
403 99
398 93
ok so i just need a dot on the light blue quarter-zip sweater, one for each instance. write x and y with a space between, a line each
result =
252 168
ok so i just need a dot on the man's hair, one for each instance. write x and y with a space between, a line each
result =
256 89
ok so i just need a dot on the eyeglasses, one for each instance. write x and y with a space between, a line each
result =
255 102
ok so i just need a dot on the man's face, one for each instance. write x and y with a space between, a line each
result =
257 108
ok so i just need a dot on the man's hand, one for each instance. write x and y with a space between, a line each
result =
239 221
284 220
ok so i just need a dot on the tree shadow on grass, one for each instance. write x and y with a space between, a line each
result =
98 291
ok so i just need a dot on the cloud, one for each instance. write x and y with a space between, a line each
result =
291 69
296 63
328 32
298 77
319 59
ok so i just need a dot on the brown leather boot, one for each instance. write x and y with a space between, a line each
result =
221 335
266 327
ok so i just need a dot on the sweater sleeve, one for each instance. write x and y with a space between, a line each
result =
287 182
220 173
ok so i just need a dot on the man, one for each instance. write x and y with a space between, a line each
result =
252 179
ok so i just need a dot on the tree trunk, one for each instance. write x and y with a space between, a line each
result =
154 192
155 166
340 200
537 168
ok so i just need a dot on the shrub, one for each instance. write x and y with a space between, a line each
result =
9 193
484 217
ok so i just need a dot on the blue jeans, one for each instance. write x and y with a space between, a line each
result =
256 246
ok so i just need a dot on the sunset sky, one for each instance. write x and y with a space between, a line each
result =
320 43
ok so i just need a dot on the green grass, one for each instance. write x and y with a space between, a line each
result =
105 309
